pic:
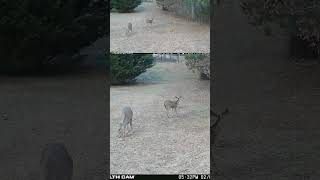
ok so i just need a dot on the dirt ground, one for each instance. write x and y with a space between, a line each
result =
70 108
168 34
272 132
161 145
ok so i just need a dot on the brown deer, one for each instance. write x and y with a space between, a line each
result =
149 21
129 29
56 163
168 104
128 114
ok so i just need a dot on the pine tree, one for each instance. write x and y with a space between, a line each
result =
125 5
126 67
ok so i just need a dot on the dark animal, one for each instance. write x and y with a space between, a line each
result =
56 163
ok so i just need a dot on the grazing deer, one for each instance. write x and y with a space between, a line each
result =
56 163
168 104
128 115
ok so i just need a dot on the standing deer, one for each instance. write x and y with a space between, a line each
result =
56 163
168 104
149 21
128 114
129 29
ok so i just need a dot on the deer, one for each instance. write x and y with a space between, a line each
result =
168 104
215 130
128 115
129 28
149 21
56 163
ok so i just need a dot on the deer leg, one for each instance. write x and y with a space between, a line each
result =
131 125
127 127
120 133
168 112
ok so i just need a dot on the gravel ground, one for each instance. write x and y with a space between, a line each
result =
161 145
167 34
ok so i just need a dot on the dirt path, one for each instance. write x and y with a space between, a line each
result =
168 34
161 145
273 128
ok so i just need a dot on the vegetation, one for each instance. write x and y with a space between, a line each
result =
126 67
165 4
198 10
199 62
125 5
37 34
301 19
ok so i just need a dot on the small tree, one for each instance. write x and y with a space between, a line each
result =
125 5
126 67
199 62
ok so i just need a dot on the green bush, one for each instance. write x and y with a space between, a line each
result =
125 5
126 67
34 34
199 62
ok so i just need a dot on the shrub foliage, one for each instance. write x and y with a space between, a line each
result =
34 32
126 67
125 5
199 62
197 10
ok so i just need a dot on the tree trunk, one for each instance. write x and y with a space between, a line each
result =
178 57
192 10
